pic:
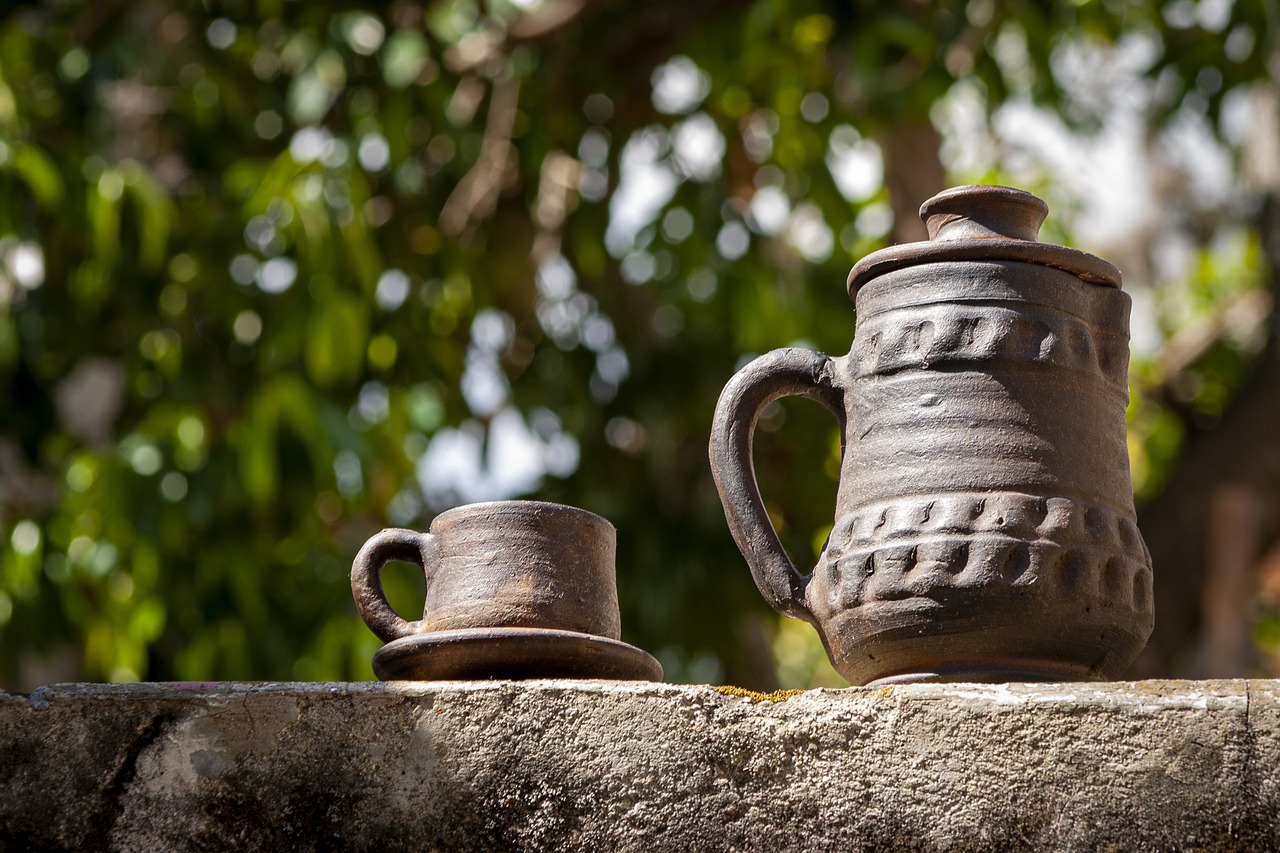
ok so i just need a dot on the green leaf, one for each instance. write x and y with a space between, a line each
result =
104 216
403 58
155 213
337 334
39 173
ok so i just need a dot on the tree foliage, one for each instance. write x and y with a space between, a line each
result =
277 275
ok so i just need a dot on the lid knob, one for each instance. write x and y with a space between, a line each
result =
983 212
982 224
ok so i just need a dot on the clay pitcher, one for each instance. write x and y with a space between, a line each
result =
984 526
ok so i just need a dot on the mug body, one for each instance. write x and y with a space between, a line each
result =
985 524
525 564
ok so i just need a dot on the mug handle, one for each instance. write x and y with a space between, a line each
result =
409 546
790 372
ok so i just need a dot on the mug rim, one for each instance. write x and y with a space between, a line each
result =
523 507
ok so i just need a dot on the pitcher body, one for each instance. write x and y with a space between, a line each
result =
984 526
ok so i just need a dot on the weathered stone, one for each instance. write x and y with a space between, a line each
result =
574 765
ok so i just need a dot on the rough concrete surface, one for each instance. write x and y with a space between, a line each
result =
591 766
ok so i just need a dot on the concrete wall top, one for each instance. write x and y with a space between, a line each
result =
592 765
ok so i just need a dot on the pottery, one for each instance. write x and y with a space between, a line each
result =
514 589
984 526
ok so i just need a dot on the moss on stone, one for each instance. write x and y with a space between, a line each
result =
775 696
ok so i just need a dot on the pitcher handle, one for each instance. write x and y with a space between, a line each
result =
790 372
409 546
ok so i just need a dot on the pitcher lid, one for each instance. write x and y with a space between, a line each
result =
983 223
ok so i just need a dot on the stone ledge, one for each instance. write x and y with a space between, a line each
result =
583 765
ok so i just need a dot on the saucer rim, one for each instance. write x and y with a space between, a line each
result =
477 654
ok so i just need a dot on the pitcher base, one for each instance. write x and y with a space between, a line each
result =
989 675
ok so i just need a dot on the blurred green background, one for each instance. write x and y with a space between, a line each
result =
275 275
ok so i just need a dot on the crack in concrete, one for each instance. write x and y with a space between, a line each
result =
1249 739
112 793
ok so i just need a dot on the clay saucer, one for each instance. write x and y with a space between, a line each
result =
514 653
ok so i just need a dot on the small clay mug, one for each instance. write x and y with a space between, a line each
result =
503 564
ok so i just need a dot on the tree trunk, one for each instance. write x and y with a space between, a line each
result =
913 174
1242 450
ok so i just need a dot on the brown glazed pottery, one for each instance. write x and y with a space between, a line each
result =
984 526
514 589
